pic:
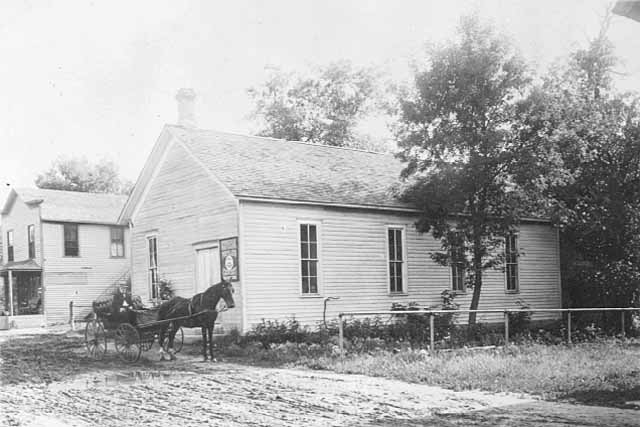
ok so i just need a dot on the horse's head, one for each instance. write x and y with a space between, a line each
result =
227 294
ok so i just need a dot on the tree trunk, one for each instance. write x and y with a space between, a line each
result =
475 299
477 282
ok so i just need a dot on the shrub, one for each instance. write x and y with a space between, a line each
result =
520 321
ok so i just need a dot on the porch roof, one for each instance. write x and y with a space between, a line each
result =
28 265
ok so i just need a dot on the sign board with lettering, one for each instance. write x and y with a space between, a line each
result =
229 259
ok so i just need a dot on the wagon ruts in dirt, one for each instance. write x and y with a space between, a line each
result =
134 330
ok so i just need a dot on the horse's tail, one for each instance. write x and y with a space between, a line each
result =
175 307
165 309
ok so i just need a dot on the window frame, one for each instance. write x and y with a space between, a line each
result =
64 239
31 244
154 291
455 266
10 246
318 259
404 269
111 242
515 290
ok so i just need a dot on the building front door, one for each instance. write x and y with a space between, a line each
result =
208 268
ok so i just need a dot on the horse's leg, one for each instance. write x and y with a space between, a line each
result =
172 336
204 342
163 331
210 333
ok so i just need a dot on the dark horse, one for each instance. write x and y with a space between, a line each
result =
200 310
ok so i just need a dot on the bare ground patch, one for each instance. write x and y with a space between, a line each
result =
47 380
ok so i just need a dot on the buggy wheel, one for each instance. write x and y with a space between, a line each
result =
146 341
178 340
95 339
128 343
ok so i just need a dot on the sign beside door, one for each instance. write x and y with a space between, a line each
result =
229 259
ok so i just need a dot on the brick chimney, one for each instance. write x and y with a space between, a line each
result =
186 100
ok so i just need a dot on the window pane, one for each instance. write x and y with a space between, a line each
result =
398 244
10 238
305 268
304 249
313 285
305 285
313 268
312 233
399 283
304 233
314 251
392 245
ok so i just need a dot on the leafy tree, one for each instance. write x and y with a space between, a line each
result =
593 133
77 174
461 148
323 107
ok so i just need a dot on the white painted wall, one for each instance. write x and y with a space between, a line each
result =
187 210
354 264
83 278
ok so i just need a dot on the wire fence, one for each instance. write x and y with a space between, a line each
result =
567 317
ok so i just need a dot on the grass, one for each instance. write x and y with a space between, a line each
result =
606 372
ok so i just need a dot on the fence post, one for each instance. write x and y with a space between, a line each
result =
506 327
71 323
622 319
432 332
341 334
569 326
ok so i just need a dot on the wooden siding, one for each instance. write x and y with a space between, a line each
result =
353 261
83 278
183 207
19 217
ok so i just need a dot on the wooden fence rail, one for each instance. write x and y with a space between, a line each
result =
432 313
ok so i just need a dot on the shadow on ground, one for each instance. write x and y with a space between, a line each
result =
47 358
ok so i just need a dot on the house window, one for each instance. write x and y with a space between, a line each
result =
10 245
71 240
457 268
31 237
396 260
153 266
511 262
309 258
117 242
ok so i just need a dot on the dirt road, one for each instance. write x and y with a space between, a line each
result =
198 393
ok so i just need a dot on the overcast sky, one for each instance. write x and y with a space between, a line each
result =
98 78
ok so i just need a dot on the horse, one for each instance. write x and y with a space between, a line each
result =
200 310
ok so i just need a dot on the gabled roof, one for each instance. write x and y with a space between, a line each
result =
252 167
70 206
270 168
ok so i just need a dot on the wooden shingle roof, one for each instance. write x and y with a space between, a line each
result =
72 206
267 168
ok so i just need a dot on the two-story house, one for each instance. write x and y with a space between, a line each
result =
57 247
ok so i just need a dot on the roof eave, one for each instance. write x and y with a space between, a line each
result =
386 208
80 221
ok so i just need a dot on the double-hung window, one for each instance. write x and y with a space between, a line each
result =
309 258
117 242
31 239
511 262
457 267
71 240
396 260
10 245
152 243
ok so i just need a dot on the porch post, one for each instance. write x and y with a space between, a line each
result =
9 274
